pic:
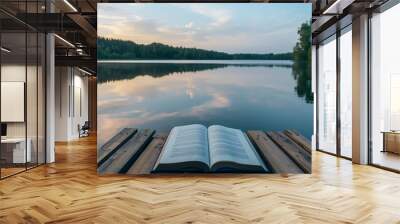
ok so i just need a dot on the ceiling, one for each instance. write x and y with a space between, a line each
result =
75 21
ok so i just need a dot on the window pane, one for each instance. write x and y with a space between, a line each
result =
327 95
346 94
385 88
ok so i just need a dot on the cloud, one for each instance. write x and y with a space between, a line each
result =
206 26
138 18
189 25
190 88
219 17
218 101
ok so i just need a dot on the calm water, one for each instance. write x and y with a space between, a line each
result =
249 95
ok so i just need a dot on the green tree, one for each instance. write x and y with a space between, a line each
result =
302 63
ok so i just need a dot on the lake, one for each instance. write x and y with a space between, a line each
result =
243 94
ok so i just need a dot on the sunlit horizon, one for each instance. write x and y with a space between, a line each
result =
232 28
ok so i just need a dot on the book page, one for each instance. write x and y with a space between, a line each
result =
186 143
228 144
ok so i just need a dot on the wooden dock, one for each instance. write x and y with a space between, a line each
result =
135 152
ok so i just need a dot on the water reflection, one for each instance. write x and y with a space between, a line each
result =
127 70
302 74
163 95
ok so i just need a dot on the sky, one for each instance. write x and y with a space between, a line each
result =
231 28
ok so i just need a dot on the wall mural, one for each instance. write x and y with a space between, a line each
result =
204 88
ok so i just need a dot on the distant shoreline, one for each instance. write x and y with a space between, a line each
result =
200 61
125 50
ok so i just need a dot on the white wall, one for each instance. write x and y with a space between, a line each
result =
62 82
14 72
70 83
79 117
13 101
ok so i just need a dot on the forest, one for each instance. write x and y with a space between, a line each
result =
114 49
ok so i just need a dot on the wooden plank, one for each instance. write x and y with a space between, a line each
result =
300 156
124 157
299 139
145 163
278 161
112 145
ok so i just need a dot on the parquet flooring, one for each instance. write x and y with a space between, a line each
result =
70 191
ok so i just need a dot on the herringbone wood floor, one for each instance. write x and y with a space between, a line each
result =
70 191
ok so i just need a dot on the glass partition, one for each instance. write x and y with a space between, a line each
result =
41 97
13 94
31 98
327 95
22 88
385 89
346 92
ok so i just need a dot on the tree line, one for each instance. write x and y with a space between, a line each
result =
302 63
116 49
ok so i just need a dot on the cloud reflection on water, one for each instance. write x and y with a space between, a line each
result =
240 97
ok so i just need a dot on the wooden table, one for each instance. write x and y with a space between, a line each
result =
391 141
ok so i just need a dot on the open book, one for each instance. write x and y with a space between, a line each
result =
194 148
